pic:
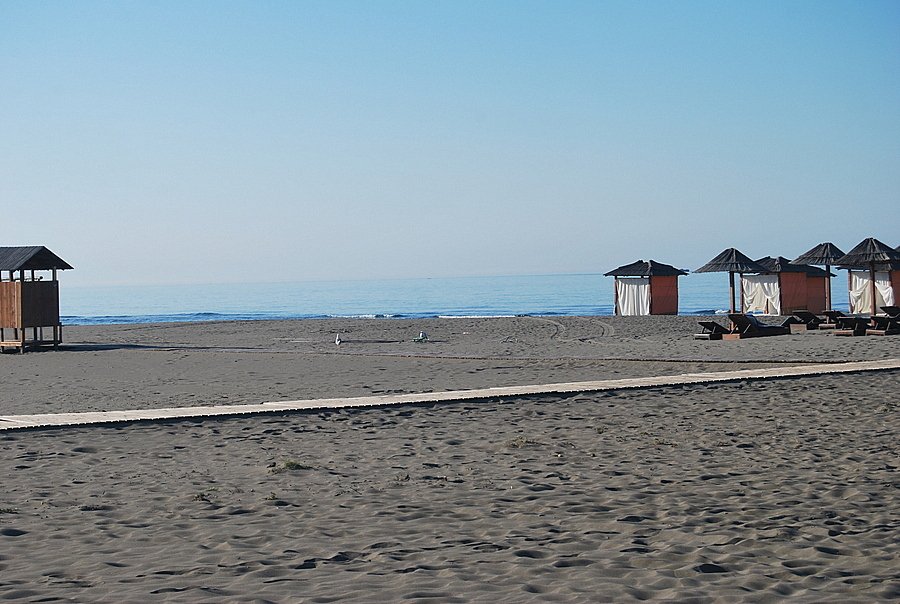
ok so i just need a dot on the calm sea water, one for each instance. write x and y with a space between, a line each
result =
705 293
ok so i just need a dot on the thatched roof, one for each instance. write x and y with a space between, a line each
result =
868 251
824 254
650 268
732 261
780 264
33 257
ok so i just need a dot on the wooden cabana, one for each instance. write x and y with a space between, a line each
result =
646 288
824 254
29 297
871 267
784 288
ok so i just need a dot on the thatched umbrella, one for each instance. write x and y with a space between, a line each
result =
869 252
731 261
824 254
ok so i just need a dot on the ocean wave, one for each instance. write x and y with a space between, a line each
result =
366 316
475 316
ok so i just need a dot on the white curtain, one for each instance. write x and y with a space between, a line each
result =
633 295
761 294
860 293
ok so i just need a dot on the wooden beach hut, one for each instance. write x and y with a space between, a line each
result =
825 254
29 297
646 288
871 267
784 288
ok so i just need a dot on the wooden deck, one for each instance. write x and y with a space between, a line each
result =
18 422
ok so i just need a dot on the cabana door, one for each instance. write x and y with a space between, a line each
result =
860 292
632 296
761 294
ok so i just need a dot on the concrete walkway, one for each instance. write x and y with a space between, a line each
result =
18 422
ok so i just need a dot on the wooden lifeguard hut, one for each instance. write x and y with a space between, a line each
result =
646 288
29 300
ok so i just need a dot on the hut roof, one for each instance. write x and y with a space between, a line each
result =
868 251
650 268
33 257
780 264
731 260
823 254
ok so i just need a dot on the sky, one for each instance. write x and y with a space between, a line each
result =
172 142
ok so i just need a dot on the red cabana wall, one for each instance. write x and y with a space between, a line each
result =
664 295
815 298
895 285
794 292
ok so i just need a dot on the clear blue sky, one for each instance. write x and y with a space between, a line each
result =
158 142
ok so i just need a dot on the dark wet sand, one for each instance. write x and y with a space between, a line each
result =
749 491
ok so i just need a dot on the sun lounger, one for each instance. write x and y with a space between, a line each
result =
831 319
749 326
851 326
891 311
884 326
711 331
809 319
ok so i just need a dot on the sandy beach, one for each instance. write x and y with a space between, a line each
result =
751 491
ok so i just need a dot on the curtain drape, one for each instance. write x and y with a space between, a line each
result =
860 293
633 295
761 294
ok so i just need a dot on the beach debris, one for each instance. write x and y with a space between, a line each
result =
510 340
290 465
423 337
521 441
337 340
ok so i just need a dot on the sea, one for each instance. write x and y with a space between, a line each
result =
537 295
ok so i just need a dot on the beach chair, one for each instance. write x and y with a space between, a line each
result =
810 320
883 326
831 319
851 326
892 311
711 331
423 337
749 326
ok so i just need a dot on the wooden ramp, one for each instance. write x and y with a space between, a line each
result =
17 422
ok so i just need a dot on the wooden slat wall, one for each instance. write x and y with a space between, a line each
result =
794 292
664 295
815 299
10 304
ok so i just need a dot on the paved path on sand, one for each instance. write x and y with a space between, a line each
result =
18 422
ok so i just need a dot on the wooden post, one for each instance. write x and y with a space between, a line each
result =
616 296
872 284
731 289
828 287
850 289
